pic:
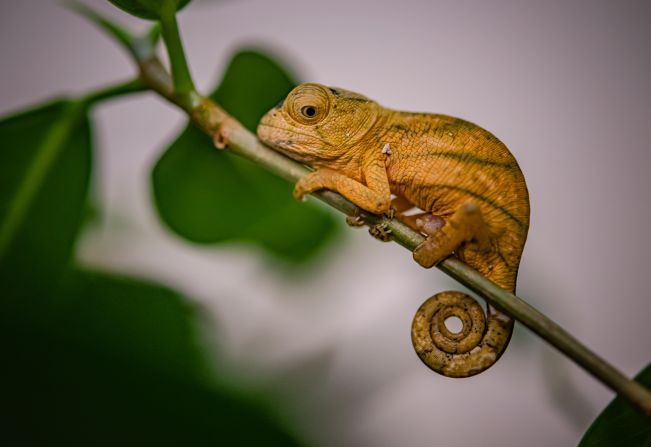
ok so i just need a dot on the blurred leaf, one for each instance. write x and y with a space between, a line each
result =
141 322
119 364
210 196
619 423
44 173
149 9
252 84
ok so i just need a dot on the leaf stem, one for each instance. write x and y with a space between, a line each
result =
183 84
114 90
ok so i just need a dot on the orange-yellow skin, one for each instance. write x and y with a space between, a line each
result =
469 187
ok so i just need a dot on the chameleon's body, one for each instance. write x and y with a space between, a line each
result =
468 185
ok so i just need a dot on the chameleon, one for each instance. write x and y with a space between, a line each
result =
445 177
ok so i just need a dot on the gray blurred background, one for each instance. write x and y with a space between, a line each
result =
564 84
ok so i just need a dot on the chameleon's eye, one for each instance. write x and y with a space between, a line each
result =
308 104
308 111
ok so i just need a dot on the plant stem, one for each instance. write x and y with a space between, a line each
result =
183 84
229 133
114 90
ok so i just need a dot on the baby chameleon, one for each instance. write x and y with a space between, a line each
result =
470 190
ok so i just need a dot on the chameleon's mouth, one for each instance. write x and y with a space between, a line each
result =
289 142
276 137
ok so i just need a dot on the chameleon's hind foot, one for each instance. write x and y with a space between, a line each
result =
430 252
464 225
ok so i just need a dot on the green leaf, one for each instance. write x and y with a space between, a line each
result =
210 196
132 320
149 9
252 84
619 424
44 173
119 363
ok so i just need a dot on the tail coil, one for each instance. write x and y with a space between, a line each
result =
470 351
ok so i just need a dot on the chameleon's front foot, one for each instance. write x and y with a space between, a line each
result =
381 231
305 185
355 220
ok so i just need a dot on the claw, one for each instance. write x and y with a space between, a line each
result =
381 231
298 193
355 220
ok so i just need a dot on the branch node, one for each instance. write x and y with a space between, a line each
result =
219 140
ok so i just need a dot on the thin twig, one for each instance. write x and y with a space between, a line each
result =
180 71
113 91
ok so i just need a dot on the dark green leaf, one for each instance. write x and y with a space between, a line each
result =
133 320
44 173
252 84
619 424
118 364
149 9
208 196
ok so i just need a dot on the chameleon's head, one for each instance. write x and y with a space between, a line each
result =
316 123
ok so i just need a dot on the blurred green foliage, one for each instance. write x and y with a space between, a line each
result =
619 424
210 196
90 358
104 360
149 9
45 164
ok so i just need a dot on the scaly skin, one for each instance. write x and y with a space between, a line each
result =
468 185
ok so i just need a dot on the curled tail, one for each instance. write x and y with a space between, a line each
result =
476 347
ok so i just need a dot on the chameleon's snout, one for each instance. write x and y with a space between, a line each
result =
266 128
269 117
272 130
